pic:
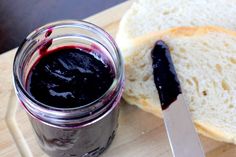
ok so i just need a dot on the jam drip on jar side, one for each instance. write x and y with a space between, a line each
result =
165 76
69 77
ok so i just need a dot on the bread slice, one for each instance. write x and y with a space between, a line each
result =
146 16
205 61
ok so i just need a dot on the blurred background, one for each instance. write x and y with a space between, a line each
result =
20 17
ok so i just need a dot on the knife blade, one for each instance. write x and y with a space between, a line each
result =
184 140
180 130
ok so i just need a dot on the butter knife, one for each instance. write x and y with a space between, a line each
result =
184 140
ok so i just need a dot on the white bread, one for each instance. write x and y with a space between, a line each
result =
205 61
146 16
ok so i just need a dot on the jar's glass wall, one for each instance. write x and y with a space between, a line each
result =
82 131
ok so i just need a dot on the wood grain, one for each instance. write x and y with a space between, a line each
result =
140 134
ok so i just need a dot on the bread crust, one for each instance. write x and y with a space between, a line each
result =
176 33
203 128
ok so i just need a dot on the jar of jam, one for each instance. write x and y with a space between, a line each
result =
69 77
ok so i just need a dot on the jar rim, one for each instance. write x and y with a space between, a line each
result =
61 112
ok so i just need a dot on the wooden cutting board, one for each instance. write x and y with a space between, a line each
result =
139 134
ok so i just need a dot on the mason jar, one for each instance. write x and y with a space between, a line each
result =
83 131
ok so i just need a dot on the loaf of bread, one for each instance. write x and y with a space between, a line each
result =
146 16
205 61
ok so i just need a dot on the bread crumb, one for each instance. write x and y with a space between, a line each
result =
225 85
204 93
218 68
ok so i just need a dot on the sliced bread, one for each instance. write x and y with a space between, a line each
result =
146 16
205 61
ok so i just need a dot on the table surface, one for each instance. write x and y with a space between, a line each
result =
20 17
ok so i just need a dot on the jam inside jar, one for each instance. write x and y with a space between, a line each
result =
69 77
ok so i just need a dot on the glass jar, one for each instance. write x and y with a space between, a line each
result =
84 131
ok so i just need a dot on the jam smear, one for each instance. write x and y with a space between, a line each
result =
165 76
69 77
48 33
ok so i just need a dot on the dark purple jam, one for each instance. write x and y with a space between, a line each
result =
165 76
89 141
69 77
